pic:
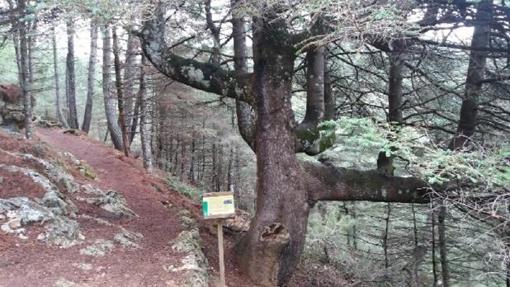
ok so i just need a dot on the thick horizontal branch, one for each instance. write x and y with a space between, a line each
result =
329 183
207 77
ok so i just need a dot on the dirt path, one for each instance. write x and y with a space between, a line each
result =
30 263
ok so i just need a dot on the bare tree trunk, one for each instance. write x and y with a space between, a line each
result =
215 32
202 166
15 36
145 130
134 123
120 98
329 95
314 88
443 251
56 75
385 163
175 163
71 77
182 170
307 129
220 178
385 238
475 74
24 72
32 40
128 84
109 99
214 178
414 271
230 182
354 227
87 117
237 176
191 174
245 114
507 279
434 264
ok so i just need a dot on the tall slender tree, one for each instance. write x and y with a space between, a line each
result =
108 93
475 75
91 77
58 108
120 96
130 77
71 77
145 119
24 66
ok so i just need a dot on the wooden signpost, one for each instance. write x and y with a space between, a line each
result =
219 206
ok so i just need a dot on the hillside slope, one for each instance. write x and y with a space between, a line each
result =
75 212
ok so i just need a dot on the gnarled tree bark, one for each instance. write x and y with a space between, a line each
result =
286 188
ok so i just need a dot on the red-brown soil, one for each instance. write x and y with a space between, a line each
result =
32 263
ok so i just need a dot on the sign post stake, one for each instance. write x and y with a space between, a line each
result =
219 206
221 253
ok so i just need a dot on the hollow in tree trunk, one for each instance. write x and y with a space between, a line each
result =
270 250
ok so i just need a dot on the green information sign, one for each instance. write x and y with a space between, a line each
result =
218 205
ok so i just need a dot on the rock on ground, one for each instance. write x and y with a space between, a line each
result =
100 248
194 264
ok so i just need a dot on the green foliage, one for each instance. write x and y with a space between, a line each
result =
483 167
361 132
184 188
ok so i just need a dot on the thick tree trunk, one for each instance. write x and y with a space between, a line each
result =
271 249
91 78
58 112
109 99
475 75
71 77
120 96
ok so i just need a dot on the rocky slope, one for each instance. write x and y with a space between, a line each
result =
102 221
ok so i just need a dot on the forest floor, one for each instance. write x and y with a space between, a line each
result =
26 262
